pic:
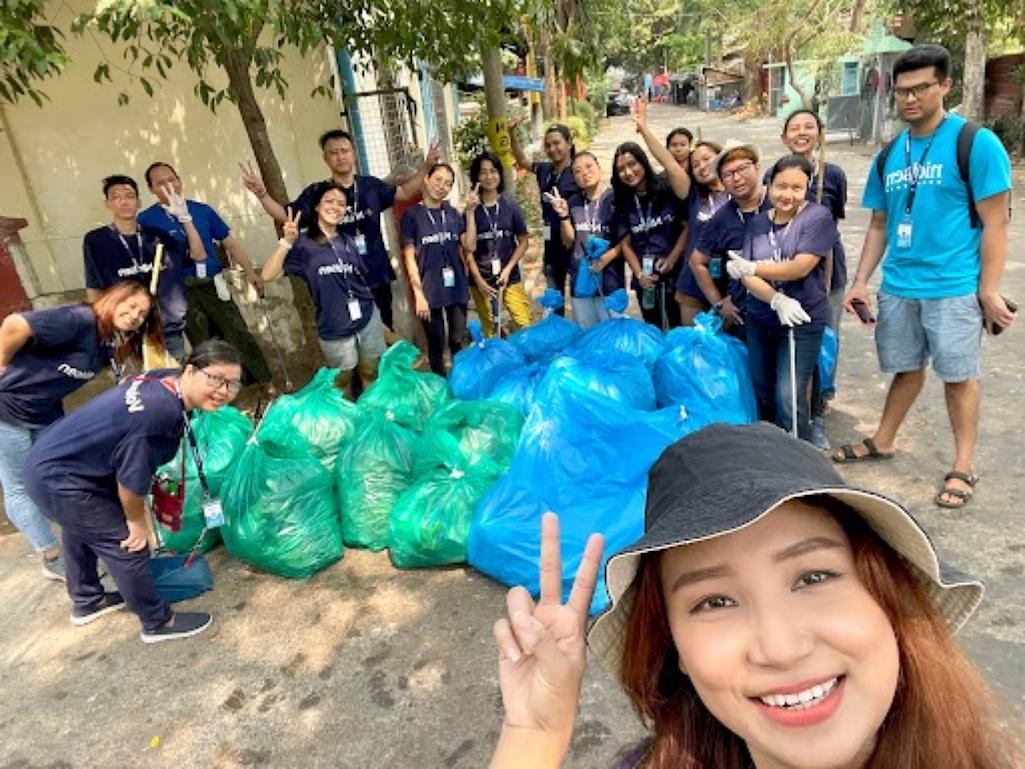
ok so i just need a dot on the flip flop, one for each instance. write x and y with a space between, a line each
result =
961 496
845 454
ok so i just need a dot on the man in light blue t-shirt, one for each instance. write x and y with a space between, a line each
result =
941 270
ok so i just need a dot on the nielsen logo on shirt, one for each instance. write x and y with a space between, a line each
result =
338 268
135 269
359 216
75 373
930 173
439 238
133 399
588 227
651 224
490 235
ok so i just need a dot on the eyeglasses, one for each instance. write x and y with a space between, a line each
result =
918 91
216 381
738 171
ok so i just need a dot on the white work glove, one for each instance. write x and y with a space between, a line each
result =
789 311
175 205
738 267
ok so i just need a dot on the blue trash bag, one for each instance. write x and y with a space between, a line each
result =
586 458
547 338
617 302
517 388
588 283
615 377
476 369
707 372
551 300
827 360
624 336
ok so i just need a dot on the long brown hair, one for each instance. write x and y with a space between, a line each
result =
131 344
942 712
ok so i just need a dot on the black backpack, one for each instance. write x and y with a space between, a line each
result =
965 137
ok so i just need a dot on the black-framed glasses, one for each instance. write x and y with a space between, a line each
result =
918 91
216 381
738 171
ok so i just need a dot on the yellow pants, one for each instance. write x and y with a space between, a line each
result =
516 302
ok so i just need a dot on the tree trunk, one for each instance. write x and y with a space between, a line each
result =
858 17
498 129
973 105
753 82
550 102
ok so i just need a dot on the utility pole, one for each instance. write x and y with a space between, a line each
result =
498 126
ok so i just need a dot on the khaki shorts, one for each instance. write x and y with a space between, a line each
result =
366 344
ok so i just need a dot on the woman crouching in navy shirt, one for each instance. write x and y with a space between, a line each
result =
45 356
783 269
434 263
349 325
91 471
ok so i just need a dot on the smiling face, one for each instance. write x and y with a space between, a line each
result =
782 642
130 313
438 185
801 135
489 177
788 190
701 164
161 176
339 156
740 177
212 386
331 208
586 172
556 147
630 172
679 148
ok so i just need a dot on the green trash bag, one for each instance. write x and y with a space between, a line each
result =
469 434
372 472
401 393
280 514
318 420
430 523
221 436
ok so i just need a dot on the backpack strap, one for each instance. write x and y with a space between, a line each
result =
965 137
881 159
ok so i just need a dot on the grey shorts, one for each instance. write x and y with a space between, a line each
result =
366 344
910 332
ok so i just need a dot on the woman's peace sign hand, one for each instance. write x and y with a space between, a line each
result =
558 203
290 229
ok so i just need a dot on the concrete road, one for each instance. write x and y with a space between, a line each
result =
367 666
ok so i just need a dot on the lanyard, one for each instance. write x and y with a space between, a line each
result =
740 213
433 222
645 218
553 180
913 168
777 251
338 255
712 207
355 201
128 249
493 224
592 221
197 456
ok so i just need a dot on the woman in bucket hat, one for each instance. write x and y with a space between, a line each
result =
770 616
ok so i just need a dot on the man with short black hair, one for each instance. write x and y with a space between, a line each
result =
366 197
939 195
211 311
126 249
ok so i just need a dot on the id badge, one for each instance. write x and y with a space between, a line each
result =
355 311
904 232
648 265
200 269
715 267
361 244
448 277
212 512
546 232
496 266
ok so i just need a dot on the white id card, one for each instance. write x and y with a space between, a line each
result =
200 269
361 243
648 265
212 513
546 232
496 266
904 233
448 277
355 311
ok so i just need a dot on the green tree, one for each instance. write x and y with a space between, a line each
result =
30 50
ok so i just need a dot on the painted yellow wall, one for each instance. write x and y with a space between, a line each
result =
81 135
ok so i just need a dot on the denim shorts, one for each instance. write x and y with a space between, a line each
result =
910 332
366 344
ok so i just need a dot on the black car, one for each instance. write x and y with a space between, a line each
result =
618 103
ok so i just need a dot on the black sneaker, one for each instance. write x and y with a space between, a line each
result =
186 623
111 602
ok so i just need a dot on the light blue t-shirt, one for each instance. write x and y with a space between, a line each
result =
943 259
211 228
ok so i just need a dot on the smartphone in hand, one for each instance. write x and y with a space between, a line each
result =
1013 307
863 312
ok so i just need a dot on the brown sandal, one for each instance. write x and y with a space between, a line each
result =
845 454
960 496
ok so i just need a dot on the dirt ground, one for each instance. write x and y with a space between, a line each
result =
367 666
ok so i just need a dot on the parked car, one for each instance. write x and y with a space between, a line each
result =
618 103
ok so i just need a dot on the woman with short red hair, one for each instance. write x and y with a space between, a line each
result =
45 355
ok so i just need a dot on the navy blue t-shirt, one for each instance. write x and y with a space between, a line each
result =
434 234
63 354
111 257
812 231
335 273
834 197
121 436
547 180
498 226
211 228
365 200
722 233
597 217
654 224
